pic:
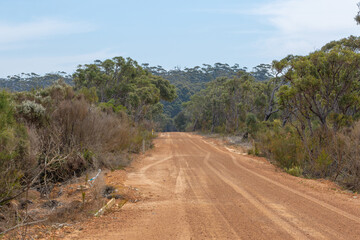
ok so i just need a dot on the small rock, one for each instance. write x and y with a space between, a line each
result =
355 197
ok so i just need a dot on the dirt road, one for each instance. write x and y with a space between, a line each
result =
194 189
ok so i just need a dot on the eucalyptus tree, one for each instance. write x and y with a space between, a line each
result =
125 81
323 86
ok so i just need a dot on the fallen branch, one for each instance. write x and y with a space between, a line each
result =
24 189
23 225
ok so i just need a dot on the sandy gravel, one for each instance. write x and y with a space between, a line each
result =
194 188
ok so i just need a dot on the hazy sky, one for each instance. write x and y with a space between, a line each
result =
56 35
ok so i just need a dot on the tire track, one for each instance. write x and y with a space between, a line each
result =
295 218
310 198
211 207
292 231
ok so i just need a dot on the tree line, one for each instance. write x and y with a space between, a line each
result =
50 134
305 117
189 81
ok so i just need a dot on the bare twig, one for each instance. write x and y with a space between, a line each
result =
22 225
54 159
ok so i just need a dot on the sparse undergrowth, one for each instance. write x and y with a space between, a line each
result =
333 156
48 137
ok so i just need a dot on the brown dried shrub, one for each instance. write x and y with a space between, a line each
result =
349 150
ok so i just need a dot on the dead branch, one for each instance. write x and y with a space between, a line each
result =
23 225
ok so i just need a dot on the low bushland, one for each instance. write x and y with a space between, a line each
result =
305 117
323 154
50 135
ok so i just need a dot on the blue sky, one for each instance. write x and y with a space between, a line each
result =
56 35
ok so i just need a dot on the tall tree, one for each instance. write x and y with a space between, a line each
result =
324 86
125 81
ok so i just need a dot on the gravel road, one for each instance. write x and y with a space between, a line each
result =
193 188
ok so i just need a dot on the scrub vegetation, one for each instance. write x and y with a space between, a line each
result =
49 135
305 118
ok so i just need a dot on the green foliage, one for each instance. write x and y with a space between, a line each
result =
233 104
111 105
31 111
262 72
190 81
13 148
138 138
254 150
321 97
88 155
251 123
63 134
126 83
295 171
180 122
323 162
321 85
89 94
282 145
31 81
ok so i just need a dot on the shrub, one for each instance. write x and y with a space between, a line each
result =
251 123
295 171
51 135
322 154
281 145
347 162
13 148
110 107
89 94
31 111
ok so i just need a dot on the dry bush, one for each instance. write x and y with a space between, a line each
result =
81 137
96 192
54 135
350 153
92 201
325 154
89 129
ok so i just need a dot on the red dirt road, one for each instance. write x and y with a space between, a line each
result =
195 189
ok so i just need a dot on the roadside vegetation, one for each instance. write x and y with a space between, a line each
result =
50 135
301 112
305 118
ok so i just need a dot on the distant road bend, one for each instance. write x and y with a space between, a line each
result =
194 189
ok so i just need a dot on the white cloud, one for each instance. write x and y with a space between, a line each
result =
46 64
310 15
20 32
295 26
301 26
